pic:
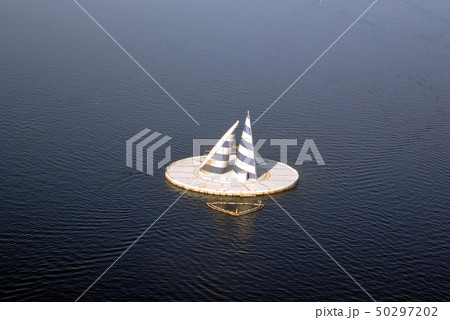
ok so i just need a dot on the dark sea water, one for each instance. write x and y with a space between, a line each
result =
377 106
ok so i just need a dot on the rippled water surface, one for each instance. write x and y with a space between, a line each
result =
376 105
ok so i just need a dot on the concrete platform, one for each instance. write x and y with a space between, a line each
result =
273 177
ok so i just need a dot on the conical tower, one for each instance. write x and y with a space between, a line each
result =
217 160
221 173
245 157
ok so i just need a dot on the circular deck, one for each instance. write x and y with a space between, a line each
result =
273 177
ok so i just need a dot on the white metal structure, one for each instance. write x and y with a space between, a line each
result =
223 173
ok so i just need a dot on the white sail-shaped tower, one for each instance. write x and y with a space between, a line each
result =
216 161
245 156
221 172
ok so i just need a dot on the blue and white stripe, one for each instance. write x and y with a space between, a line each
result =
217 160
245 157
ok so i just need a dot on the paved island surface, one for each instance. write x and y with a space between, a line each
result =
273 177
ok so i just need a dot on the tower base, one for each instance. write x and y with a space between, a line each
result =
273 177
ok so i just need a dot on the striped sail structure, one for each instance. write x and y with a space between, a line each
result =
216 161
245 157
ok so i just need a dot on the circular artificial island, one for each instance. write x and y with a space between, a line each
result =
223 172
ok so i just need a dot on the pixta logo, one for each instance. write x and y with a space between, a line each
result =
144 141
308 149
308 146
